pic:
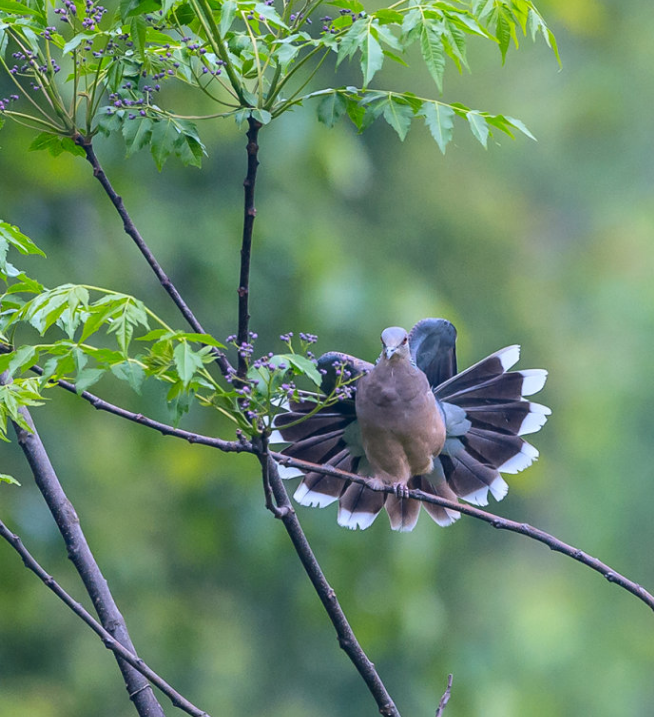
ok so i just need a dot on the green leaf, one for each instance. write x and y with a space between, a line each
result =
23 358
518 124
189 151
187 362
162 144
12 236
262 116
304 366
386 16
16 8
137 30
25 285
270 14
353 5
4 478
155 334
356 113
179 400
227 13
439 119
75 41
129 313
331 108
285 51
395 58
372 105
130 8
131 372
433 54
537 25
478 126
352 40
372 57
137 133
55 145
398 114
503 34
87 377
206 339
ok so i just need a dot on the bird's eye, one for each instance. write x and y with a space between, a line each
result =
405 340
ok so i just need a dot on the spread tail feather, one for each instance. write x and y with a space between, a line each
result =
402 512
358 506
436 484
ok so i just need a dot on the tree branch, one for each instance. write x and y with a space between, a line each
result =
82 558
109 642
445 698
163 428
130 229
494 520
346 638
249 214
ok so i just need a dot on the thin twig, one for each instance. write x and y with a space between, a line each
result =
165 429
80 554
109 642
346 638
249 213
131 230
445 698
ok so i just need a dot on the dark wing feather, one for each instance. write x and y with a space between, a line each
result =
323 438
433 349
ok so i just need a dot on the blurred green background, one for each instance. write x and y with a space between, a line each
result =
546 244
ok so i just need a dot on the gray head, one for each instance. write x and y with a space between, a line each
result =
395 341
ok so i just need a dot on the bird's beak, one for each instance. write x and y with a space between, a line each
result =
389 351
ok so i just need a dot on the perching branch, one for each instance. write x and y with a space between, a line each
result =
109 642
132 231
82 558
249 214
495 520
346 638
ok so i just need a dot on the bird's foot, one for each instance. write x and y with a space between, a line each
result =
401 490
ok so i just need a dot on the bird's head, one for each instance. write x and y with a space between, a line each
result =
395 342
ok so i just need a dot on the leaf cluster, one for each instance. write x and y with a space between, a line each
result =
94 332
94 71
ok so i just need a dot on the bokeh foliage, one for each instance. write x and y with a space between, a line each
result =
548 244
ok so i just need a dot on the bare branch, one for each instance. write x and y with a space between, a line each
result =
131 230
109 642
82 558
445 698
496 521
346 638
249 214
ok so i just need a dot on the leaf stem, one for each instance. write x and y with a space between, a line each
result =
205 15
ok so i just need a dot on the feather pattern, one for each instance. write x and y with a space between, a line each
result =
483 410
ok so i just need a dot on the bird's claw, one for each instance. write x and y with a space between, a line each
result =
401 490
